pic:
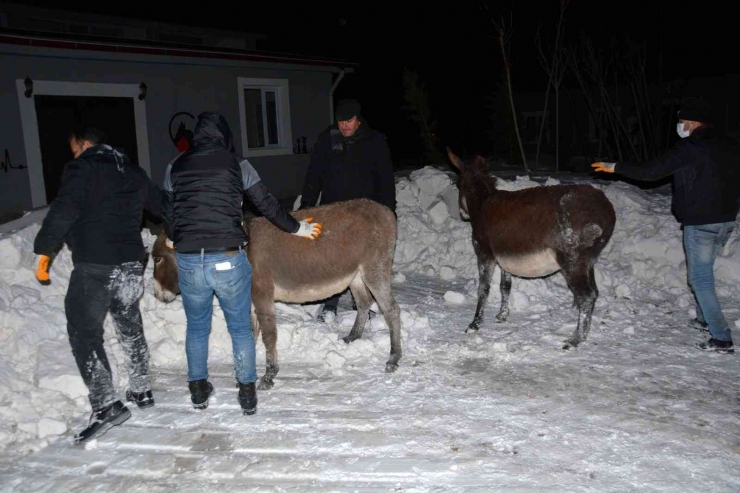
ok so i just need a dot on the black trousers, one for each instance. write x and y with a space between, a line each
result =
333 302
93 290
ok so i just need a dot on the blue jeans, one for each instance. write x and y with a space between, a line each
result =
703 243
229 277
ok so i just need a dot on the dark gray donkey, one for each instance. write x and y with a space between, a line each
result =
535 232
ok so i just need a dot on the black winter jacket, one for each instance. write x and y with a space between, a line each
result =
344 168
204 191
98 209
706 176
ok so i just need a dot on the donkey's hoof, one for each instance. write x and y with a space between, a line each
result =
391 367
265 384
570 344
473 327
349 339
502 317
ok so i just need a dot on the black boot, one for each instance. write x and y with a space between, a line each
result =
247 397
103 420
200 392
143 399
724 347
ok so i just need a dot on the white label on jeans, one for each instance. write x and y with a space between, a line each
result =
223 266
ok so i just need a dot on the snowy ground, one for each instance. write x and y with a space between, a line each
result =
635 408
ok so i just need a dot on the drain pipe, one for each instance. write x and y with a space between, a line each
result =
331 96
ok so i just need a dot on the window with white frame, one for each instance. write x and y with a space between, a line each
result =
264 113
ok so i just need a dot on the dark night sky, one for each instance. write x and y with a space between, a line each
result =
452 46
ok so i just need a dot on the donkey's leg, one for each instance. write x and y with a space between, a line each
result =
485 271
378 281
363 300
255 324
580 283
264 308
595 290
503 313
266 317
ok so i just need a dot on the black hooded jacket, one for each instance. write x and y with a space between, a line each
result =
706 176
98 209
345 168
204 189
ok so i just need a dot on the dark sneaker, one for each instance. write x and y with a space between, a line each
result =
326 311
724 347
103 420
699 325
200 392
247 397
142 399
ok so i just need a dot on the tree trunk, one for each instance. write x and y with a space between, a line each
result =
542 126
557 128
511 101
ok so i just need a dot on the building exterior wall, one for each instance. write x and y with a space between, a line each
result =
172 84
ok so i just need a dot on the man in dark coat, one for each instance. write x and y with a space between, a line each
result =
705 165
99 212
350 160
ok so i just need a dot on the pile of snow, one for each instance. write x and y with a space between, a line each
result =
644 258
41 390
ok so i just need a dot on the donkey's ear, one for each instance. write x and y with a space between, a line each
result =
456 162
162 245
161 240
480 162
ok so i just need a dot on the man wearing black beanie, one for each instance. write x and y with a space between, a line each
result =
350 160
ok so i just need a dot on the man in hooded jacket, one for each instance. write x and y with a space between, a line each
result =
202 212
350 160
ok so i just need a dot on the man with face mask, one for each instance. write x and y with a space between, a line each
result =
705 165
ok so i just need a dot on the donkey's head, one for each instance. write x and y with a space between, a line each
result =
475 184
166 280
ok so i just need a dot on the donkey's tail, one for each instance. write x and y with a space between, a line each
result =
591 232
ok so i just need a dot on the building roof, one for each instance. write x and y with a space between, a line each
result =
88 42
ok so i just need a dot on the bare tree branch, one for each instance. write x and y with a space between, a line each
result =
504 34
555 71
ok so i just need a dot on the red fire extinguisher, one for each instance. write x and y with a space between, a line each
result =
183 139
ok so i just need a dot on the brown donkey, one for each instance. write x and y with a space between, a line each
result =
535 232
355 250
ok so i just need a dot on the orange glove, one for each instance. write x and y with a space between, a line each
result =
309 230
42 271
604 167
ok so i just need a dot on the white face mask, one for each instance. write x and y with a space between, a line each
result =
681 132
